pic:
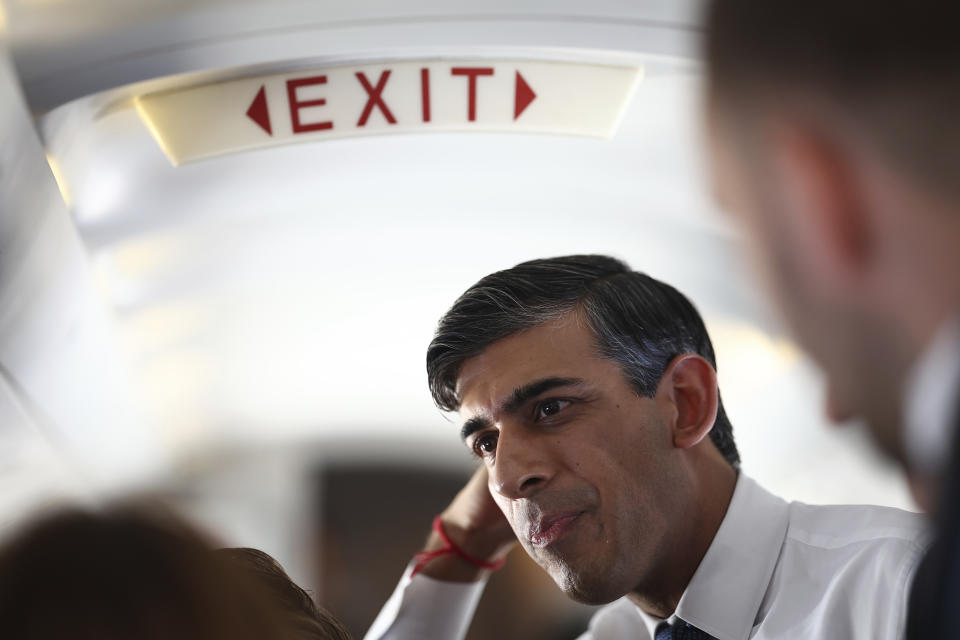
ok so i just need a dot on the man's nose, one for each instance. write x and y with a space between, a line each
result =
522 465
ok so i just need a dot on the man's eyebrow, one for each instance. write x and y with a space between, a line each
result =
516 400
473 425
522 394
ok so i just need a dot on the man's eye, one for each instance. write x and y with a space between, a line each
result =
550 408
485 444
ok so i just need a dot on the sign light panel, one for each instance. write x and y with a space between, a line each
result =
396 97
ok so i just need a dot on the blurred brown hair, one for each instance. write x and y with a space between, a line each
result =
888 69
126 572
303 616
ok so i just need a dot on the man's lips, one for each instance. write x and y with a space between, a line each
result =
550 529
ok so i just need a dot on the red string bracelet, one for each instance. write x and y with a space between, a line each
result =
449 548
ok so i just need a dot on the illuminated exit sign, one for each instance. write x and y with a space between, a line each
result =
397 97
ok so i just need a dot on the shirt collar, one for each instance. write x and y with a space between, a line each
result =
652 622
724 595
929 400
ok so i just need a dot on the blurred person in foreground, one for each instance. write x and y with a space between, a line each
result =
298 608
589 394
131 571
834 138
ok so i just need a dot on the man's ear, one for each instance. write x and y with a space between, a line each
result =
690 385
818 185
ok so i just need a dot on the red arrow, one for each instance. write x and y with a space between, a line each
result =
524 96
258 110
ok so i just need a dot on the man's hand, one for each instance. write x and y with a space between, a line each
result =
474 523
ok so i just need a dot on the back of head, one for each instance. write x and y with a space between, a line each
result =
128 572
891 69
638 321
300 613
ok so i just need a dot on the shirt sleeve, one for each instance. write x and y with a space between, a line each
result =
422 608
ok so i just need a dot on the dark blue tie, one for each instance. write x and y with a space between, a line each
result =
680 630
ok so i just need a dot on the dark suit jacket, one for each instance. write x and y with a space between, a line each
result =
934 609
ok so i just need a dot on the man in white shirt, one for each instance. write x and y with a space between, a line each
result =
589 393
833 137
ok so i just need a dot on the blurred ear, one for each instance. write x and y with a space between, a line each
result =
690 385
819 188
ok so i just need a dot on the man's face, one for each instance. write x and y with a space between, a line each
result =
579 464
830 318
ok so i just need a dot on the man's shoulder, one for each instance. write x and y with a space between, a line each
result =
837 526
860 546
844 564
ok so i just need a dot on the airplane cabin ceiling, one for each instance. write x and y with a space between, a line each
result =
287 294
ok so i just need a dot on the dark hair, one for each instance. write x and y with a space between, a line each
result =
308 620
131 571
892 68
639 322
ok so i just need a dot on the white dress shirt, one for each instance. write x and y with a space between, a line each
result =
930 400
773 570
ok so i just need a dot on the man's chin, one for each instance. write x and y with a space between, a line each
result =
592 594
593 588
